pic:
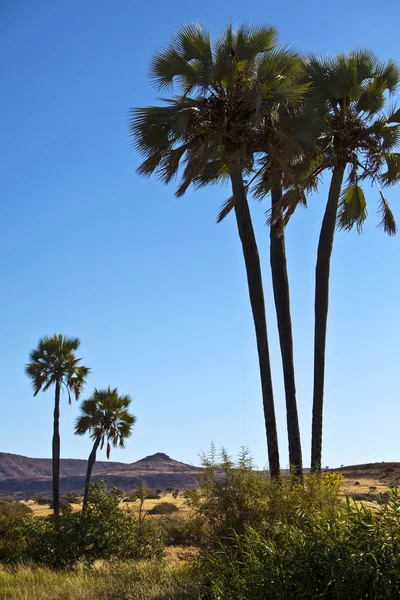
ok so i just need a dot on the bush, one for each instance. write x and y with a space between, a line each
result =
64 503
352 554
233 497
104 531
153 496
73 498
142 493
41 500
181 531
11 508
164 508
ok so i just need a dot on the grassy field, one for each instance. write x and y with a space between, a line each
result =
104 581
44 510
350 486
172 578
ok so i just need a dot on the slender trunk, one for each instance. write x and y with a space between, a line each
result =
322 270
56 452
91 461
280 284
254 281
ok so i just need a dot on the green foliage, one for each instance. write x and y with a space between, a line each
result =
183 531
104 531
54 360
12 508
64 504
232 496
350 554
164 508
228 97
73 498
105 415
42 500
141 492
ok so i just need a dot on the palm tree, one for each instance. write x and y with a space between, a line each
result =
54 362
105 415
213 127
281 178
358 140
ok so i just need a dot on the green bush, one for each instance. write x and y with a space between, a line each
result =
183 531
64 503
232 497
142 493
104 531
164 508
286 540
353 555
73 498
11 508
41 500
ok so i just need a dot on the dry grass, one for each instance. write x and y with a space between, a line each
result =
104 581
44 511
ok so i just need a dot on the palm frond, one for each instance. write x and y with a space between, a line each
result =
352 209
388 222
226 208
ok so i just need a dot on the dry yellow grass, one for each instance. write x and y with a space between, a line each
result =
349 486
40 510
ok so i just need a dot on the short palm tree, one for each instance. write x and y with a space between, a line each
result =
105 416
213 127
54 362
357 140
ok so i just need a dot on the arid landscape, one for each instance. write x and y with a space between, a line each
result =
23 476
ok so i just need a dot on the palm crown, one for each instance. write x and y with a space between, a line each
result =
54 361
105 415
230 95
357 132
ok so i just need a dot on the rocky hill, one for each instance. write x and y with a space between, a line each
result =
25 476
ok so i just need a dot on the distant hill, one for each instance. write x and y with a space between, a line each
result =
25 476
386 472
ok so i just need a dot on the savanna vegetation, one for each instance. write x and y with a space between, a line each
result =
247 110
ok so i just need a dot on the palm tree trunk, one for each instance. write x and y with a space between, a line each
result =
56 452
322 270
91 461
254 281
280 284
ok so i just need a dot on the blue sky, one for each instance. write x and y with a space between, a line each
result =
153 287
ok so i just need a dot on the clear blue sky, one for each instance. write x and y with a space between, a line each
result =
153 287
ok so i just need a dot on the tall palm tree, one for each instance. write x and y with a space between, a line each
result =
358 140
282 178
54 362
213 127
105 415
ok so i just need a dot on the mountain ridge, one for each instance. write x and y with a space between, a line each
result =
26 476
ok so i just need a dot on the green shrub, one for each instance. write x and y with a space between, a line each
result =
183 531
164 508
104 531
233 496
41 500
11 508
347 555
142 493
73 498
64 503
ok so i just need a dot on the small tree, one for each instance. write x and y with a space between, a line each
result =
105 415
